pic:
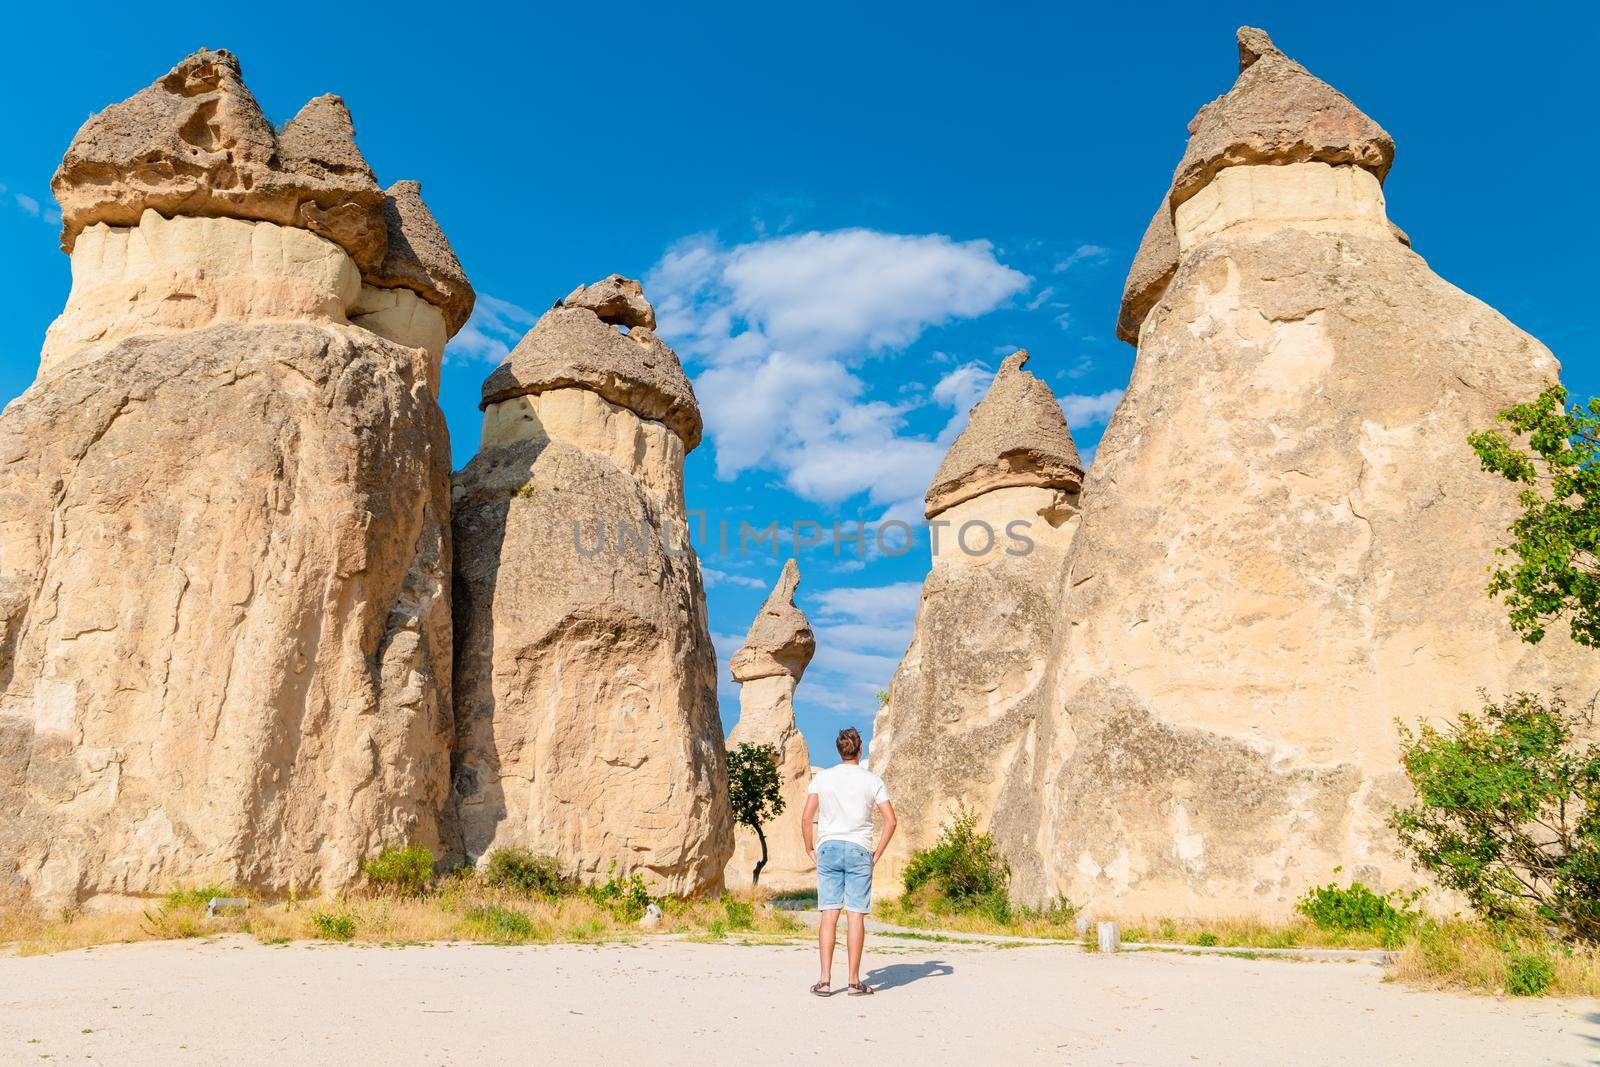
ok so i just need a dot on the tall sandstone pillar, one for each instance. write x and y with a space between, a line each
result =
224 511
586 710
1284 537
768 668
961 724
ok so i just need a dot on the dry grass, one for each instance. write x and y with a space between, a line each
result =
1469 956
459 910
919 913
1248 933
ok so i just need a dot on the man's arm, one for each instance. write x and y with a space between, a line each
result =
889 822
808 820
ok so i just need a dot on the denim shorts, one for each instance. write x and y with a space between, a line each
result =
844 877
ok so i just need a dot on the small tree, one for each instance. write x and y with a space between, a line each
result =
1508 813
1556 539
755 792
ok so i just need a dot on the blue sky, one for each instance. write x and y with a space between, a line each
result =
846 215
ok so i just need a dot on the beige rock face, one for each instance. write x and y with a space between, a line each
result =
229 655
586 714
768 668
183 274
1282 548
967 704
225 646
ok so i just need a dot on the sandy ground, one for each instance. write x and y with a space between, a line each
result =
234 1001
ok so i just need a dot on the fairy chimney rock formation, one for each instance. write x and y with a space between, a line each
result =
1014 461
224 558
959 725
768 669
586 713
1282 544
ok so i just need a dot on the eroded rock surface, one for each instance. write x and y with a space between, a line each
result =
768 668
586 712
1284 535
960 729
224 536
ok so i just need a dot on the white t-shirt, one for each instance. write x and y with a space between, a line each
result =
847 796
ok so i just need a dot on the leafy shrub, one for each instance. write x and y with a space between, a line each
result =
741 916
1357 907
963 869
1206 938
334 926
1528 974
402 871
194 899
1508 813
501 924
521 870
626 897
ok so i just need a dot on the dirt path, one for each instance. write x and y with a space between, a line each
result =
238 1002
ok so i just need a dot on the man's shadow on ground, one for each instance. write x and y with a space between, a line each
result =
899 974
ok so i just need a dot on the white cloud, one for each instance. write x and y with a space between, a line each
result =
778 326
862 632
493 330
1090 410
31 206
1086 254
713 578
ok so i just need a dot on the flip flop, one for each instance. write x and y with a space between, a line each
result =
861 989
822 989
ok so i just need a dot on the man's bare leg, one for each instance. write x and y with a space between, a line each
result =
856 931
827 932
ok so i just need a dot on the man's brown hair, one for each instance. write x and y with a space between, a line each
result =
849 743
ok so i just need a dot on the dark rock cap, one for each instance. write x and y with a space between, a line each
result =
780 640
196 143
1016 435
1277 112
1153 267
574 346
419 257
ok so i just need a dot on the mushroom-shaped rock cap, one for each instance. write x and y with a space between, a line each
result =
1016 435
196 143
615 299
321 142
420 258
1153 267
1278 112
574 346
780 640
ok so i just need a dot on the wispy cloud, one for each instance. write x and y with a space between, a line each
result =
778 327
46 213
492 332
1090 410
713 578
1084 254
861 634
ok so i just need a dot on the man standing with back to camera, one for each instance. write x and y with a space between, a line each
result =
840 802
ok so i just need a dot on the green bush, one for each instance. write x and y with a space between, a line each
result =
402 871
963 869
194 899
626 897
501 924
1528 974
741 916
335 926
1206 938
1357 907
521 870
1508 813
